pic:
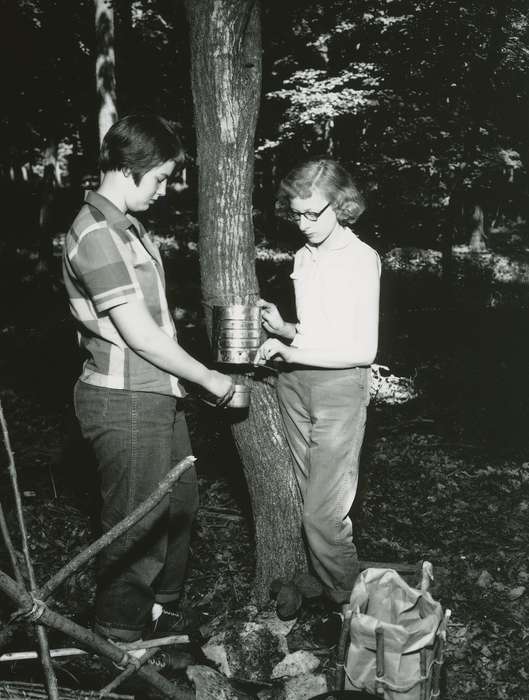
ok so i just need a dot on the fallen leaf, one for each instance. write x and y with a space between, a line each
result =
516 592
485 579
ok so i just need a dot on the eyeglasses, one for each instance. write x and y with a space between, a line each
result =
309 215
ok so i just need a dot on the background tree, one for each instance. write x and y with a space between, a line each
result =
105 66
226 79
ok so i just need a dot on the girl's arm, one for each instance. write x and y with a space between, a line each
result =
139 330
273 321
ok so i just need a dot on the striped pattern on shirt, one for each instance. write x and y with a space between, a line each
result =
108 260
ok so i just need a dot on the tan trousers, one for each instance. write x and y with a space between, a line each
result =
324 414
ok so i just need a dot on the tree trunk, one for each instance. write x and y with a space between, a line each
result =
126 59
226 77
477 242
105 65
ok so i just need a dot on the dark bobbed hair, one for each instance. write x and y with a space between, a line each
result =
330 179
140 142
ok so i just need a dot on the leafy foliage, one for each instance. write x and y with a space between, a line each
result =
411 96
420 99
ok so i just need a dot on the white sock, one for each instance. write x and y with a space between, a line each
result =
156 611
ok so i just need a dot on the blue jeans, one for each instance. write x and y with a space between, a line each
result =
324 414
137 437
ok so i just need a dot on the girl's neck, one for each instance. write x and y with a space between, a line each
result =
335 232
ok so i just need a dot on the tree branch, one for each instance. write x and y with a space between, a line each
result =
10 548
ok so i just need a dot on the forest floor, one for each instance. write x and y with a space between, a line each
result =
445 472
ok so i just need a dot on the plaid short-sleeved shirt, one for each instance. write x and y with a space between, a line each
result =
108 260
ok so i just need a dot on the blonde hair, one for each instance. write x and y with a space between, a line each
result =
330 179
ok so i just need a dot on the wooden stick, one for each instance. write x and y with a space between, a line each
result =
401 567
92 550
342 648
398 566
42 637
379 637
439 653
129 671
221 513
160 642
135 649
422 666
10 548
31 655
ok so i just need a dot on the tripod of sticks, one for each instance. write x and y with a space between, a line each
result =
30 603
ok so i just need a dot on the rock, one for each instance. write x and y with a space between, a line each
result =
305 686
296 664
211 685
516 592
246 650
216 652
272 622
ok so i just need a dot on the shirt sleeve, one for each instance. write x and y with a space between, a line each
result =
102 263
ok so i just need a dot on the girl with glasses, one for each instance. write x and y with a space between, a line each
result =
323 385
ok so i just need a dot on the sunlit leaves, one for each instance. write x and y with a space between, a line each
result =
313 97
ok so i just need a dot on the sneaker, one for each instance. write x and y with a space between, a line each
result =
168 621
170 659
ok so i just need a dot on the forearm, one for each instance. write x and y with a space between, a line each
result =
288 331
164 352
149 341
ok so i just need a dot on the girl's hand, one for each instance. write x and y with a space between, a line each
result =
220 386
271 318
273 349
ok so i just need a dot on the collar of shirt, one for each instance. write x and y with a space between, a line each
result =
117 219
112 214
339 239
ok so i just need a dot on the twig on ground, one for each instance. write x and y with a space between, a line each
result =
408 424
52 480
221 513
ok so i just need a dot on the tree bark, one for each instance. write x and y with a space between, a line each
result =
477 242
226 82
105 65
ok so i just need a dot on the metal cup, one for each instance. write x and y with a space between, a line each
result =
240 398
